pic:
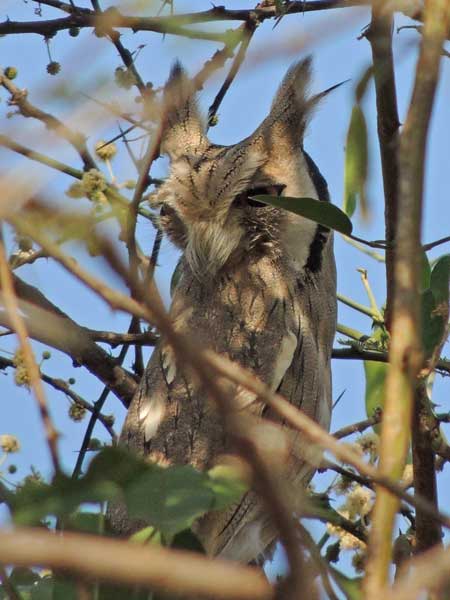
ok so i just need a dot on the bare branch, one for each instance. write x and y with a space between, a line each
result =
7 142
379 35
405 350
147 338
358 427
49 325
154 567
19 99
247 33
64 387
431 245
424 424
19 326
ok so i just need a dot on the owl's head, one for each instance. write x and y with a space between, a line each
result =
205 203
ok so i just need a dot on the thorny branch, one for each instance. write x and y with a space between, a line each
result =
176 24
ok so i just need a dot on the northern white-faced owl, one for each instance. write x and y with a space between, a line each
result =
256 284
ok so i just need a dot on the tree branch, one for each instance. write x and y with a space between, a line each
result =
26 109
49 325
424 423
208 364
358 427
174 572
405 350
18 324
379 35
7 142
64 387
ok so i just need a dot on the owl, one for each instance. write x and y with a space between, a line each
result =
256 284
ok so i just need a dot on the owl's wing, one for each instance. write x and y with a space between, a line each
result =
269 329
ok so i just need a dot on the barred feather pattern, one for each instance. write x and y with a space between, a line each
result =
257 285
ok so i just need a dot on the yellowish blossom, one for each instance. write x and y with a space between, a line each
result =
105 151
9 443
358 502
369 444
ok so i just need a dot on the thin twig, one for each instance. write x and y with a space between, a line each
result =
358 352
375 315
7 142
350 332
96 413
147 338
19 99
64 387
374 244
248 30
11 592
358 427
375 255
151 154
18 324
371 296
51 326
431 245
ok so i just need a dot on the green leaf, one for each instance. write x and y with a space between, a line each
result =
439 281
49 588
227 486
321 212
435 306
356 160
375 373
187 540
43 590
433 324
109 472
169 498
425 273
362 84
350 587
23 576
34 502
147 535
86 522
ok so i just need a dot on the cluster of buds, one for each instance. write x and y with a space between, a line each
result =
21 375
369 444
9 443
77 412
105 151
124 78
93 186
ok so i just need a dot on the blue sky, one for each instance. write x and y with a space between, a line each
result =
87 61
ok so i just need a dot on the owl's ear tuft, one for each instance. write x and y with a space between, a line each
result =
184 129
292 106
